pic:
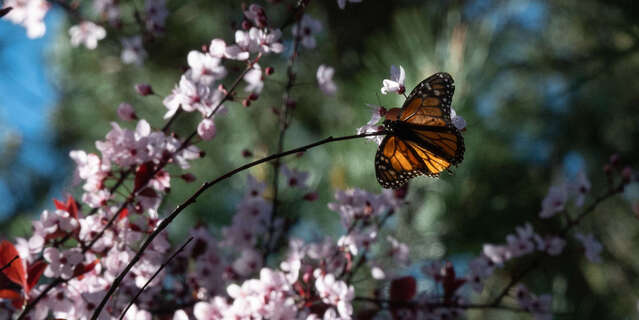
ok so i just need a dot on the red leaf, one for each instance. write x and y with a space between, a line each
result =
73 207
143 175
59 205
9 294
123 214
34 273
15 272
450 282
70 206
403 289
16 298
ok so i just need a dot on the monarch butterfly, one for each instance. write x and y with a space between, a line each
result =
421 138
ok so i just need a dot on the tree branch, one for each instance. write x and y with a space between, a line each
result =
201 190
284 122
153 277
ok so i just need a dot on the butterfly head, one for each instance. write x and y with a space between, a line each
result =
393 114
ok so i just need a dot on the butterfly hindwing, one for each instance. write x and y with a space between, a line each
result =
445 142
395 163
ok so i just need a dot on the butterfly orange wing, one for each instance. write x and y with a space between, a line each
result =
429 103
428 142
395 163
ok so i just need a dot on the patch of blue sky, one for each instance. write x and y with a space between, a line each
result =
491 99
533 150
8 202
531 15
555 91
27 97
573 162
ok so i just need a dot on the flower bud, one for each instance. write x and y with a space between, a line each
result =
144 89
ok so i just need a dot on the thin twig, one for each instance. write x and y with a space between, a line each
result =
536 262
153 277
194 197
284 122
182 146
362 258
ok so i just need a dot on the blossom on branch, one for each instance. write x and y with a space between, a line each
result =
554 201
133 51
325 79
592 246
219 49
28 13
396 82
205 68
306 29
86 33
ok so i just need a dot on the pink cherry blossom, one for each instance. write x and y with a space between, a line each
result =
522 242
554 201
306 30
136 314
155 16
336 293
256 14
254 79
480 269
109 9
205 68
325 79
28 13
126 112
213 310
190 96
497 254
295 178
354 204
540 306
551 245
396 82
133 51
30 249
219 49
61 264
259 40
591 245
358 240
398 251
86 33
579 188
206 129
373 124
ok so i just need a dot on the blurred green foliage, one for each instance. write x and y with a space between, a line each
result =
546 87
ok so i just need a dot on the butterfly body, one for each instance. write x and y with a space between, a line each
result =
420 136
